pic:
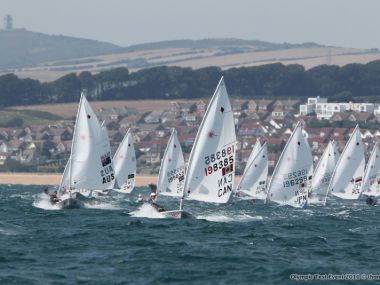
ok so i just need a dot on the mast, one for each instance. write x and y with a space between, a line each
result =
72 142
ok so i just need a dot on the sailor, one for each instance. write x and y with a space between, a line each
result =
371 200
140 198
53 196
153 198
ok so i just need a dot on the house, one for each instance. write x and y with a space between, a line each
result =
286 105
153 117
201 106
129 122
264 105
280 114
251 106
340 116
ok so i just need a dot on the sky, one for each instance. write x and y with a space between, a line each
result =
345 23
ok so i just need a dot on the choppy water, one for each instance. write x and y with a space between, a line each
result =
117 241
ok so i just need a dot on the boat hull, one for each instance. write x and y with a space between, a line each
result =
70 203
176 214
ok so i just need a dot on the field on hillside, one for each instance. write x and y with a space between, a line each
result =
69 110
24 118
199 58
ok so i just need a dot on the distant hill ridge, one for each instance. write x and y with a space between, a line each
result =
23 48
20 48
217 43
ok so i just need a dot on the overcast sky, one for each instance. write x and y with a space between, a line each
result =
348 23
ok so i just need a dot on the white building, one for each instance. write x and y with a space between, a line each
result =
325 111
309 107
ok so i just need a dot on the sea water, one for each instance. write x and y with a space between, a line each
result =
116 240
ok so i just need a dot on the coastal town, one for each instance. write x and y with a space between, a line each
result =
46 148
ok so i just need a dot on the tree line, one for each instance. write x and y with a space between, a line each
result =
353 81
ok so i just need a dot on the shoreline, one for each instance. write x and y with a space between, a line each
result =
30 178
25 178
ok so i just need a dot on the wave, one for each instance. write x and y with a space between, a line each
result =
224 218
146 211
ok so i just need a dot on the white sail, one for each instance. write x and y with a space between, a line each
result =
292 175
253 154
254 179
124 162
65 181
347 178
211 171
371 181
91 164
323 173
172 171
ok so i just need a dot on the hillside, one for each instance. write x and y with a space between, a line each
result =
23 48
47 58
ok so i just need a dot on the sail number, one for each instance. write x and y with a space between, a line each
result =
295 178
219 165
178 173
219 154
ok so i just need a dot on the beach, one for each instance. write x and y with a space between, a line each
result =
18 178
55 178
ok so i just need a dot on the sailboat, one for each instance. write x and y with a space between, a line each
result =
371 181
323 173
171 177
347 179
291 178
254 179
90 165
124 162
211 170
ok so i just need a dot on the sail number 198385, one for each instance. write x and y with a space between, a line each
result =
221 159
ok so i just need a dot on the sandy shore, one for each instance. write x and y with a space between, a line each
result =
54 179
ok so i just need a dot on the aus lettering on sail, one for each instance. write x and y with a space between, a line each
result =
222 164
107 173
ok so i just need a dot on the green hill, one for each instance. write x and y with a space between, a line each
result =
21 48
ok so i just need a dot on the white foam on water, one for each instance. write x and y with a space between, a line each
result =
42 201
146 211
229 218
102 205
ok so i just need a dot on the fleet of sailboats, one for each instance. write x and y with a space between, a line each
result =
210 173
